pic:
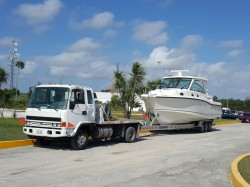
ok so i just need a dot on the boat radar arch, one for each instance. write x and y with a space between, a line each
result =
178 72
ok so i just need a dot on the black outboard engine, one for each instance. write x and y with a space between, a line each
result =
107 115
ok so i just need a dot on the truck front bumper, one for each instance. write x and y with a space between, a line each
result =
45 132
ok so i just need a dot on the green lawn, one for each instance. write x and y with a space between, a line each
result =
11 130
244 168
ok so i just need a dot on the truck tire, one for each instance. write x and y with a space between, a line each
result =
42 141
79 141
130 135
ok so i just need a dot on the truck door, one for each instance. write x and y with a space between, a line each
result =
78 108
90 106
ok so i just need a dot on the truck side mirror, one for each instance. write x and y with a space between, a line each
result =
95 96
72 105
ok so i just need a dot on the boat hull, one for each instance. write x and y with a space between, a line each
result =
172 110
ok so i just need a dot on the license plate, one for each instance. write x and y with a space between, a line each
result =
39 131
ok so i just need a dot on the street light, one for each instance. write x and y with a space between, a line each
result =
159 63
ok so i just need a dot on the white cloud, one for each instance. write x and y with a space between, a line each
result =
41 29
39 13
59 71
81 59
6 41
84 44
174 58
29 68
3 57
110 33
234 53
191 41
231 43
151 33
98 21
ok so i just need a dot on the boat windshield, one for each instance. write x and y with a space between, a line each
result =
182 83
49 98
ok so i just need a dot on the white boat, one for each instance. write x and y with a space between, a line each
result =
181 99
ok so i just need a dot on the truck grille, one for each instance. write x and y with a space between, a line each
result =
43 118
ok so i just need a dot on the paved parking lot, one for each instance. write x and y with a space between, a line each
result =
174 158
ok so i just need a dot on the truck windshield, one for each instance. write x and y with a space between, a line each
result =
49 98
182 83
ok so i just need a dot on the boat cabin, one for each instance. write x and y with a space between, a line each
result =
197 84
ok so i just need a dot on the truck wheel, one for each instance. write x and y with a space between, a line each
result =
42 141
130 135
79 141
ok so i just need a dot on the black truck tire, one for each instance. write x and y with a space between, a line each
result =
79 141
130 135
40 141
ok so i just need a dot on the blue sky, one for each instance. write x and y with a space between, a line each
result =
84 40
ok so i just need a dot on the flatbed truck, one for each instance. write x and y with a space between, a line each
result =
70 112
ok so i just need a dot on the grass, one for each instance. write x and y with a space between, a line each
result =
11 130
244 168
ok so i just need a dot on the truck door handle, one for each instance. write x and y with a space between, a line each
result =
84 112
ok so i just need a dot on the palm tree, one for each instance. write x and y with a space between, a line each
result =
152 85
129 88
120 80
3 77
137 77
120 85
19 65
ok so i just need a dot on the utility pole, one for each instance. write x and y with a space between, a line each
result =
13 57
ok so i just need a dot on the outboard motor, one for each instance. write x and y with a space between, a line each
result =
107 115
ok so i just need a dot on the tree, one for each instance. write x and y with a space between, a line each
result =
152 85
137 77
3 77
127 89
19 65
215 98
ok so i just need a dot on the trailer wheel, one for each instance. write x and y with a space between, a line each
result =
202 128
130 135
209 128
79 141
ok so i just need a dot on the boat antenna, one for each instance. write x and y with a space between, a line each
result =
178 72
61 79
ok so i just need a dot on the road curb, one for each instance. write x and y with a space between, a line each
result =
228 122
16 143
236 178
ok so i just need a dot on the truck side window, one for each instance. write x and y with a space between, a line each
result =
90 97
76 96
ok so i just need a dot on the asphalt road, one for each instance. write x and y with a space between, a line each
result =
174 158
